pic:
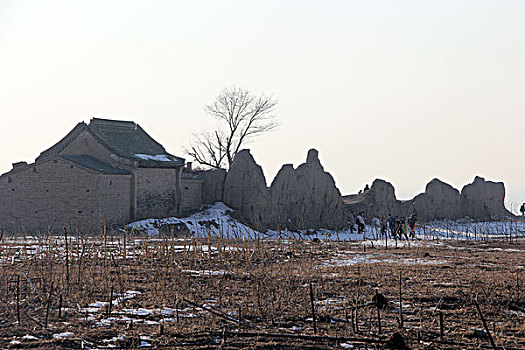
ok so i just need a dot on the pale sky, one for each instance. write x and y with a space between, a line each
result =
400 90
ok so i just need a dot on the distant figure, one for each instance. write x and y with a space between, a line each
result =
522 209
351 221
397 228
404 228
391 221
360 223
412 222
382 225
360 191
366 188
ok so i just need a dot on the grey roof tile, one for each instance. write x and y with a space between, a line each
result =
129 139
93 163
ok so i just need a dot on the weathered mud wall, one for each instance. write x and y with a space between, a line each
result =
245 190
479 200
307 197
301 198
483 199
212 185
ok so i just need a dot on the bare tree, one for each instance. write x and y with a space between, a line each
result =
241 116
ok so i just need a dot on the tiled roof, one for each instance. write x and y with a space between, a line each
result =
129 139
93 163
124 138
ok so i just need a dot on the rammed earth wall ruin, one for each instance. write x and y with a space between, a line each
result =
301 198
479 200
307 197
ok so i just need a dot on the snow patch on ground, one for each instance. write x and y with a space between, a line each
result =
215 221
355 259
63 335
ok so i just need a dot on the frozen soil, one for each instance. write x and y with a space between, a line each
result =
139 292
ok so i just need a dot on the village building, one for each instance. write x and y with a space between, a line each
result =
106 173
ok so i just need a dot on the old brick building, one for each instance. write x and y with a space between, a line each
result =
105 171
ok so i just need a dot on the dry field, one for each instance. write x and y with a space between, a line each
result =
128 291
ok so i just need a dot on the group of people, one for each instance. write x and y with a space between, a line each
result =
396 227
399 227
359 221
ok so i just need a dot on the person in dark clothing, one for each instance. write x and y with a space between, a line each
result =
522 209
404 228
412 222
360 223
397 228
383 226
391 222
366 188
351 221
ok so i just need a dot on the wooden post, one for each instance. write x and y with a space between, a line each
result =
161 327
378 313
386 237
110 301
441 328
67 258
353 321
18 299
239 320
313 307
400 302
177 310
48 304
60 307
357 301
484 321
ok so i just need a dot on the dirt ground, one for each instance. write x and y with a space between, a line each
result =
130 292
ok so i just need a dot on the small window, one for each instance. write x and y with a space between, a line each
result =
80 211
9 179
47 190
71 167
36 211
110 182
87 190
13 189
186 188
55 161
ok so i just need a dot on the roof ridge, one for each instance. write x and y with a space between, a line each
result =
109 122
64 142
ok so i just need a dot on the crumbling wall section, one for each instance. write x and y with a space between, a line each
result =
212 185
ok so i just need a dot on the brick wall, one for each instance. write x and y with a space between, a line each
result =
156 192
212 185
57 193
191 196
